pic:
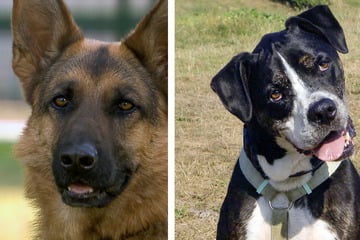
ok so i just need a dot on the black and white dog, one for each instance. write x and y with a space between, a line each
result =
294 169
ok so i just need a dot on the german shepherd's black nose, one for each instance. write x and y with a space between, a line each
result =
79 157
322 112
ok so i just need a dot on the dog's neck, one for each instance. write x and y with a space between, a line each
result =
277 160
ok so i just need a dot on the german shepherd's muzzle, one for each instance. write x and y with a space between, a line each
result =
88 170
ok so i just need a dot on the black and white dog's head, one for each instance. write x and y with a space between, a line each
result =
289 91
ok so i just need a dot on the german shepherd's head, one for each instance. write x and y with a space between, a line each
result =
98 128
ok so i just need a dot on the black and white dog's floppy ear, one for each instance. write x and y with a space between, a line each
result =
321 21
231 85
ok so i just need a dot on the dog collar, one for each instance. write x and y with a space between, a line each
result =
263 187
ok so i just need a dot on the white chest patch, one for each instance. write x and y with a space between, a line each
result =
302 225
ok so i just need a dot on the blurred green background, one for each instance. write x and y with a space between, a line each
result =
10 171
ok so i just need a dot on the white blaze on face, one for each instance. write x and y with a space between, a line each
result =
297 122
297 84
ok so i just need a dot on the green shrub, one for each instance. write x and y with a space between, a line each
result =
300 4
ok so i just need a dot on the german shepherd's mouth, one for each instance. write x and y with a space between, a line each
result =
81 194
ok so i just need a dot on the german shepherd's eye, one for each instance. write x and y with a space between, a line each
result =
126 106
60 102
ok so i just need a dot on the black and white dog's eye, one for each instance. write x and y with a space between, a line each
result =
275 96
323 66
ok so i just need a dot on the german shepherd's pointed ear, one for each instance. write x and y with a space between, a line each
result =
41 30
149 42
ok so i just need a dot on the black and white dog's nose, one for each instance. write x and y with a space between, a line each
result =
322 112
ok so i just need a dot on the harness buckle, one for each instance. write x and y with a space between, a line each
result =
290 205
280 202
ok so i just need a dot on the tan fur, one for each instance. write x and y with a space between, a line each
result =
46 46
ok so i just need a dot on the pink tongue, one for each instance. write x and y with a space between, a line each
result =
332 150
80 189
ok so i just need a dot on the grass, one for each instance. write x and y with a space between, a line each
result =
208 138
15 213
354 3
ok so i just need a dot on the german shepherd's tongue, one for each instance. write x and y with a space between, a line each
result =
332 148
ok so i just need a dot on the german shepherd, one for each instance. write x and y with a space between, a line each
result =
95 145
